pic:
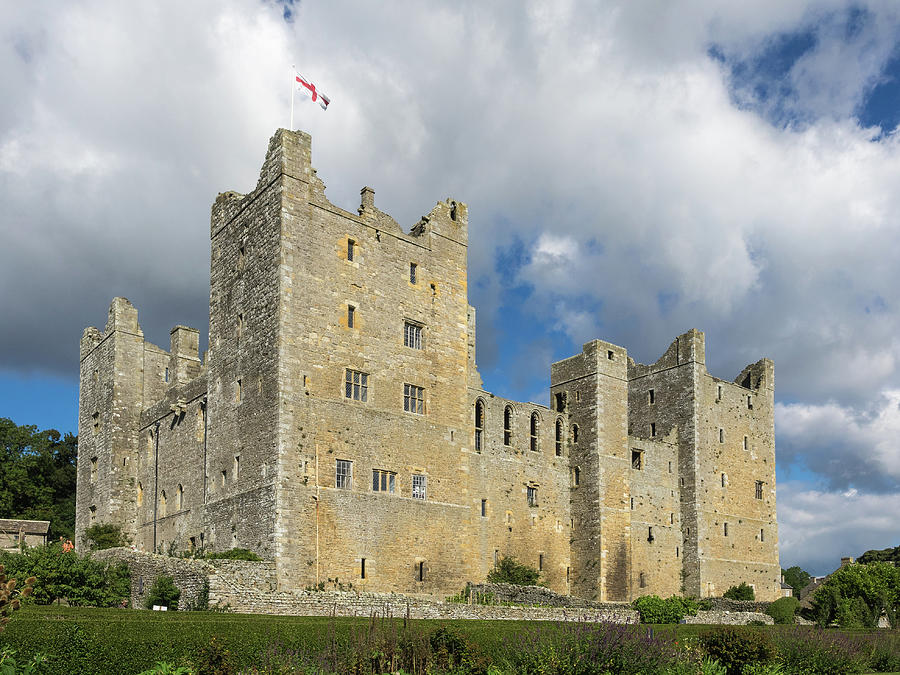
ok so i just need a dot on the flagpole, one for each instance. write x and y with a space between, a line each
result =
293 78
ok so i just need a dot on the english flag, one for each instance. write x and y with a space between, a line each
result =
309 88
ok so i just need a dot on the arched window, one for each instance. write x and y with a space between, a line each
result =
162 504
479 425
535 423
179 498
140 494
507 426
559 437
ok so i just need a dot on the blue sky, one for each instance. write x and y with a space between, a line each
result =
632 170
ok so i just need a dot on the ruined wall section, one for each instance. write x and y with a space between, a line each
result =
333 260
507 524
594 386
109 407
244 387
672 409
736 451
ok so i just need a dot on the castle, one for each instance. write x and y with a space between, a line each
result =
338 423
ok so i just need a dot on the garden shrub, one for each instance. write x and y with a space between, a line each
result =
214 659
818 652
742 591
163 593
654 609
105 535
233 554
508 570
735 648
79 580
783 610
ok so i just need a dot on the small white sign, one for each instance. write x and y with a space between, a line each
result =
158 608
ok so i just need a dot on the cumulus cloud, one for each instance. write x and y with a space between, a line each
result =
818 527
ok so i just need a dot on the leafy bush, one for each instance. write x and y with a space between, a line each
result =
841 597
783 610
735 648
214 659
105 535
817 652
10 665
233 554
508 570
163 593
743 591
80 580
654 609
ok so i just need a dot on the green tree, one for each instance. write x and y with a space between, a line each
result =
857 594
164 593
797 578
37 476
508 570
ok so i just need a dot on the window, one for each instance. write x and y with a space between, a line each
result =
653 428
632 503
651 397
413 273
93 511
242 257
383 481
362 568
642 582
531 494
162 504
351 315
574 433
637 459
179 498
534 432
560 400
759 489
356 385
676 551
540 562
412 335
421 566
576 476
650 534
479 425
224 477
237 467
93 469
140 494
166 375
559 437
507 426
721 435
413 399
610 355
718 393
725 529
749 403
762 535
343 474
724 480
239 329
237 392
95 423
484 508
671 519
745 442
418 486
670 467
350 246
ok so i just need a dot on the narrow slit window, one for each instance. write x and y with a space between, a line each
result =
362 568
718 393
651 397
762 535
670 467
242 257
745 442
237 391
637 459
479 425
576 476
749 403
507 426
93 469
236 470
559 437
351 316
484 508
534 432
166 375
653 428
421 568
650 534
574 433
721 435
413 273
540 562
724 480
725 529
351 246
179 497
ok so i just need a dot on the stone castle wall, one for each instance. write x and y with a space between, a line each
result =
613 493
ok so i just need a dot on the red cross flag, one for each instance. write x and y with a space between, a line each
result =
310 90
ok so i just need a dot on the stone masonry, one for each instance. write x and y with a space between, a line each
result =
338 425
